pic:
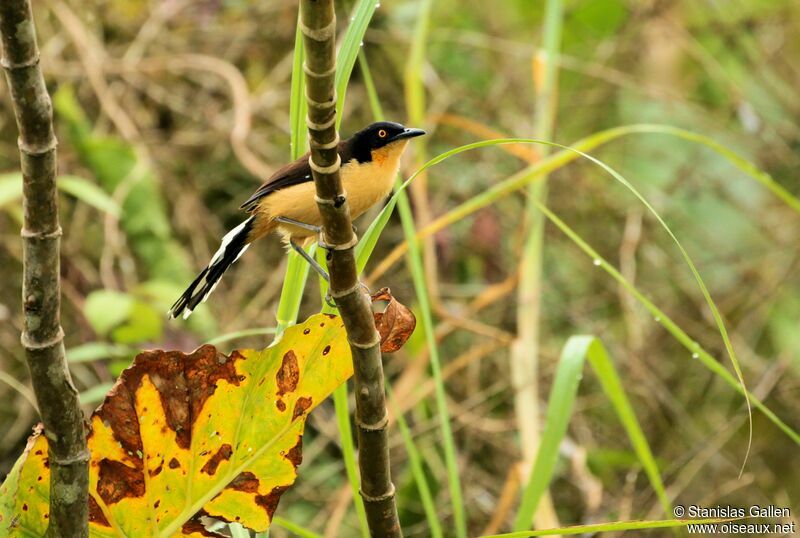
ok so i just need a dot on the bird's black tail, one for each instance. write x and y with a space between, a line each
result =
233 246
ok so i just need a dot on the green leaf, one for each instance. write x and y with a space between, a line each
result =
106 309
95 351
10 188
144 324
89 193
81 188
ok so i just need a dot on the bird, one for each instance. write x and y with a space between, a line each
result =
285 204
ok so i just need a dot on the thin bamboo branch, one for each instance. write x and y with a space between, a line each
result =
318 24
42 336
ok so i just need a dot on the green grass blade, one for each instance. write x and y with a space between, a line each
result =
349 454
590 530
294 528
258 331
559 410
604 369
297 102
679 334
294 281
351 44
416 461
96 393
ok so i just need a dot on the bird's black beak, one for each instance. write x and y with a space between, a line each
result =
407 133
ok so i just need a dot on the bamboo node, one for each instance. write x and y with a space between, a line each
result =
41 236
308 71
27 343
32 150
319 34
327 145
342 246
331 201
321 105
320 126
80 458
332 169
343 293
13 66
378 426
379 498
375 342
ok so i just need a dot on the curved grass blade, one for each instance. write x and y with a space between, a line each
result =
679 334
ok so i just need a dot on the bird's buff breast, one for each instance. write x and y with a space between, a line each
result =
365 184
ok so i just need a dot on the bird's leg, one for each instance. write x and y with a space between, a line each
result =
305 226
311 261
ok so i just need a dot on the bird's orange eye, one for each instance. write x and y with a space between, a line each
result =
382 133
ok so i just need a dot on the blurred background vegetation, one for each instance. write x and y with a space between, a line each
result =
170 113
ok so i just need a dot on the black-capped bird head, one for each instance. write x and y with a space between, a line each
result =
380 140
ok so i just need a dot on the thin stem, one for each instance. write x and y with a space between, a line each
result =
318 24
525 350
42 335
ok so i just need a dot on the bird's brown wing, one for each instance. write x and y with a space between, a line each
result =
294 173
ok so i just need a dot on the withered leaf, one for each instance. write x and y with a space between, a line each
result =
395 324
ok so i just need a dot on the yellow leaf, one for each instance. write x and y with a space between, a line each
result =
182 437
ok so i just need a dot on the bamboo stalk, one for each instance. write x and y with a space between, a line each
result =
318 24
42 337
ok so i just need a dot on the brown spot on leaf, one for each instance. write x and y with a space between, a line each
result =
24 507
269 502
301 406
295 454
223 454
395 324
280 405
326 350
157 470
288 375
306 330
117 481
246 482
96 515
174 463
